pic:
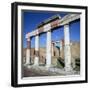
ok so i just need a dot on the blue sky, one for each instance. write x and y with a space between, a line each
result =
32 18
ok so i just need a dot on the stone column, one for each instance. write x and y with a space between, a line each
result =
60 48
28 51
36 60
48 49
67 52
52 48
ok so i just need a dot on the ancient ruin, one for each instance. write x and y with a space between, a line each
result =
65 45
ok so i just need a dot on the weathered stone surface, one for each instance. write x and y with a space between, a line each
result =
43 71
75 53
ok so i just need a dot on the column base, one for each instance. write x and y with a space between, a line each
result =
48 67
73 63
68 70
36 61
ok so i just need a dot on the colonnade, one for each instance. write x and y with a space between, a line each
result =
49 50
47 28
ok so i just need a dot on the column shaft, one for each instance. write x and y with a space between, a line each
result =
48 49
60 48
67 52
28 51
52 49
36 61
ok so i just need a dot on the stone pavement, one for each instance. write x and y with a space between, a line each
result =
33 71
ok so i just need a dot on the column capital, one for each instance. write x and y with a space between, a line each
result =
67 24
28 39
49 30
37 34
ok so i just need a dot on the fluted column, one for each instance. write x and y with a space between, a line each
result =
60 48
52 46
48 49
67 51
28 51
36 60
